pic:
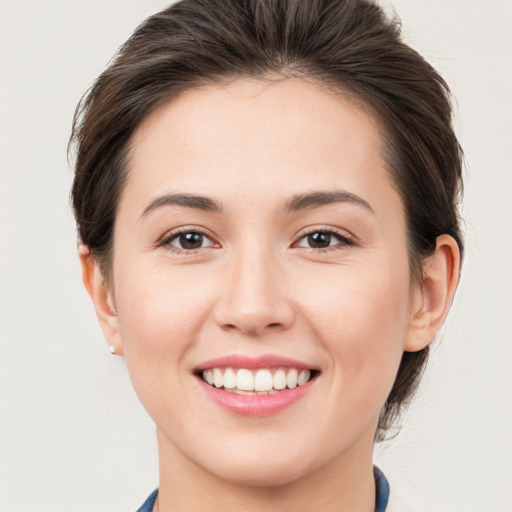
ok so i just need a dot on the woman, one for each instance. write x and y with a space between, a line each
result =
266 195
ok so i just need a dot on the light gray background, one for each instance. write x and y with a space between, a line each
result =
72 434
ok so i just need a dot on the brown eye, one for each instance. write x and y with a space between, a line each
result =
319 240
324 239
190 240
187 241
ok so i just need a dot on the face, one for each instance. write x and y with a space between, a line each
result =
259 231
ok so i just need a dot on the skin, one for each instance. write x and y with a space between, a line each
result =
256 285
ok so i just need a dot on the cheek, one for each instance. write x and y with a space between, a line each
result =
161 313
361 319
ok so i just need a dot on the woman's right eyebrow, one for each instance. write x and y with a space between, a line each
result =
205 204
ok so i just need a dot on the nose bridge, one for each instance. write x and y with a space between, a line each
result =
255 296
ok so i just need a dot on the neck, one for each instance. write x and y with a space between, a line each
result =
344 484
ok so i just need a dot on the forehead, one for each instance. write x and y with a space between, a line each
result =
292 133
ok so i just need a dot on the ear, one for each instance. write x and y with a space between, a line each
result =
434 294
102 299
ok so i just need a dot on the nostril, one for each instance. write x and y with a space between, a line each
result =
252 329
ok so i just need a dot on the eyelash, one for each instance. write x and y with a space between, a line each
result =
344 240
166 240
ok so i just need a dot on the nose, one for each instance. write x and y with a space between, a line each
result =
254 297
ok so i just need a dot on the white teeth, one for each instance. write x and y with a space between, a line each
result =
245 380
218 378
229 379
279 379
303 377
291 378
263 381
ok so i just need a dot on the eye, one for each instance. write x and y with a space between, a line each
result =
322 239
184 240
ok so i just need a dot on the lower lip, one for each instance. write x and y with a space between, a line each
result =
256 405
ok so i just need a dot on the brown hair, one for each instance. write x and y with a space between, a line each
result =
350 45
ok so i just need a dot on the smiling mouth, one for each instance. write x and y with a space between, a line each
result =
262 381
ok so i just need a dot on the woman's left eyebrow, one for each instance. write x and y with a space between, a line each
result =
321 198
187 200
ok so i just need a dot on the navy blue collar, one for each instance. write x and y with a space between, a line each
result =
381 490
148 504
381 493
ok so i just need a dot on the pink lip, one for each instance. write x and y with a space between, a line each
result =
255 405
265 361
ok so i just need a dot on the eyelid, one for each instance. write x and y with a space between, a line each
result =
347 239
165 240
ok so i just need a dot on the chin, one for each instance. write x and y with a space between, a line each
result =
268 474
257 469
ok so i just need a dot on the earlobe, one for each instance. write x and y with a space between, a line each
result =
102 299
434 295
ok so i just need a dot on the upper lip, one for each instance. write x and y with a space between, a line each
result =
264 361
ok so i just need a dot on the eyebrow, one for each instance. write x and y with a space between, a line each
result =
321 198
296 203
202 203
